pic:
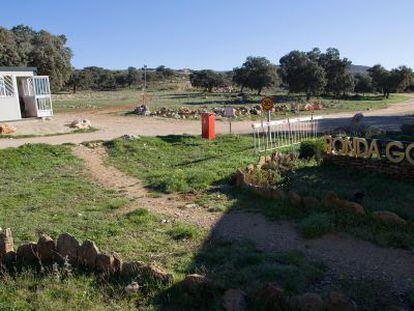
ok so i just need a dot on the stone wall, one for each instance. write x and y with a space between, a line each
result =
402 170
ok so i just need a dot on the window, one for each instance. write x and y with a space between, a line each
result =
6 86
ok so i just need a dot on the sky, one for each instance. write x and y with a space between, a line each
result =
220 34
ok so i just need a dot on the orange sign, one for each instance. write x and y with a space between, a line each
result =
267 103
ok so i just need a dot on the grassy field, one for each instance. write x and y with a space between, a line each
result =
190 164
44 189
88 100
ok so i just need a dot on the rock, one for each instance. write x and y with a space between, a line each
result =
132 288
308 302
157 274
80 124
331 199
310 202
117 262
234 300
194 283
131 269
105 263
27 253
294 198
6 129
389 217
87 254
250 168
142 110
339 302
46 248
271 297
67 247
278 194
240 178
6 242
351 207
130 137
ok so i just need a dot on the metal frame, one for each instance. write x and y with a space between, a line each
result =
284 133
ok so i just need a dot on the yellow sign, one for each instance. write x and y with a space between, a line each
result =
267 103
356 147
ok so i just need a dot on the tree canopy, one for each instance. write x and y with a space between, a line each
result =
23 46
207 79
256 73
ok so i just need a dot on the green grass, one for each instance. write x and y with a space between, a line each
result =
45 189
191 164
182 163
195 99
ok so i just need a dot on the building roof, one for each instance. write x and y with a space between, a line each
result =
34 69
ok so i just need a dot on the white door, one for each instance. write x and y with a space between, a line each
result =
43 97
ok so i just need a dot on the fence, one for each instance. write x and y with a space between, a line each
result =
284 133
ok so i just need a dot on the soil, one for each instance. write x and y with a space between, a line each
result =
344 256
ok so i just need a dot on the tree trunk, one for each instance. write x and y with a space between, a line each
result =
259 92
308 96
242 89
74 89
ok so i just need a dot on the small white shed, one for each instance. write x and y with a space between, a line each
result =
24 94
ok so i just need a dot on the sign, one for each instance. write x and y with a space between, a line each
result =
393 151
267 103
229 112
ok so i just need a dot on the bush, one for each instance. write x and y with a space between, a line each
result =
316 225
312 148
181 232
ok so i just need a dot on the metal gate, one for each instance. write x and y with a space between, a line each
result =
284 133
43 96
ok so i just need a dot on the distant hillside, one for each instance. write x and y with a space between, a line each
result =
359 69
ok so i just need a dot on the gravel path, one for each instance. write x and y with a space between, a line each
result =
111 125
343 255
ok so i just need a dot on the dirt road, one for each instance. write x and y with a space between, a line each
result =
111 125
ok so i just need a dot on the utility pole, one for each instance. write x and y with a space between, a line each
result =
145 84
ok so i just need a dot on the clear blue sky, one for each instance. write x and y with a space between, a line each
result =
219 34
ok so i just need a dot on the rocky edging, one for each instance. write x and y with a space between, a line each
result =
309 202
68 250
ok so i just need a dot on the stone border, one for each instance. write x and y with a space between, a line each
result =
67 249
331 200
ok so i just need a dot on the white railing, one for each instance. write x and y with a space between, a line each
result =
284 133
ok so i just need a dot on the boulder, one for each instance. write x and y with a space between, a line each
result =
339 302
105 263
234 300
67 247
6 129
132 288
310 202
278 194
389 217
351 207
27 253
80 124
131 269
194 283
87 254
271 297
294 198
157 274
331 199
46 248
6 242
308 302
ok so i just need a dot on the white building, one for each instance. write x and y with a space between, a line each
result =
24 94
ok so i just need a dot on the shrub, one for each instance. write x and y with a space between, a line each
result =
312 148
316 225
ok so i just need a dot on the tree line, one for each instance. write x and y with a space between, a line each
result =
313 73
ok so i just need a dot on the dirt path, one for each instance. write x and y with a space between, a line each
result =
112 126
344 256
172 206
